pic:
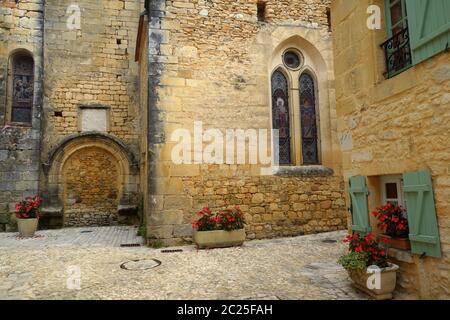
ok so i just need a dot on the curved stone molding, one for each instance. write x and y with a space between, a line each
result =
94 136
127 167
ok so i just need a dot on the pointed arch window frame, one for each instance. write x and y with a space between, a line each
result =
19 102
292 76
318 159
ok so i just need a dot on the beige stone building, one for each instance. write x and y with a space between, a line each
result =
126 111
240 65
109 83
393 119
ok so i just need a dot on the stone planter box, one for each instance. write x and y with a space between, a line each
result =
27 227
387 283
397 243
219 238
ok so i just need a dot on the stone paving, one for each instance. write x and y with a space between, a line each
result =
289 268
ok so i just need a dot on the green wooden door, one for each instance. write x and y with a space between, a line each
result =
423 227
429 27
359 204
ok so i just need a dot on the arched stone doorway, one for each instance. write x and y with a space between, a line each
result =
91 188
91 180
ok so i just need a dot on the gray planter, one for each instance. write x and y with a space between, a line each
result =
219 238
27 227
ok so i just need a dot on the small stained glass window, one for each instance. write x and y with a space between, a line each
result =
280 115
308 120
292 59
22 88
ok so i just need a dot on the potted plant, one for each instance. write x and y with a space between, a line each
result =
219 230
27 213
367 265
393 224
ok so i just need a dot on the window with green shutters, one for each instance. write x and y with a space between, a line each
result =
416 30
396 48
429 27
359 204
422 220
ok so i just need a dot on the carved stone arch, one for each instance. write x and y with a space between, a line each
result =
119 156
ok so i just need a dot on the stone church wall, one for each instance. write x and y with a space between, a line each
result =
21 30
211 61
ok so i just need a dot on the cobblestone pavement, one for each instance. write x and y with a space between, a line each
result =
85 237
289 268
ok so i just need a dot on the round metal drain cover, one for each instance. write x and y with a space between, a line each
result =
144 264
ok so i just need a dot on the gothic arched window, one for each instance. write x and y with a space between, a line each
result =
22 88
280 115
308 120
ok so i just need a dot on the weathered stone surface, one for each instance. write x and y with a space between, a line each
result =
268 269
397 125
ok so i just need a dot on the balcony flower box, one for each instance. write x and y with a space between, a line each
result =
393 223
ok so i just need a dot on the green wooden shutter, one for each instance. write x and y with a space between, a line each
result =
359 205
429 27
423 228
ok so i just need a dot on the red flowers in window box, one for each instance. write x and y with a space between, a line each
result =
29 208
393 224
392 220
228 219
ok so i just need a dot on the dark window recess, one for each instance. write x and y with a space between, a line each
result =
261 11
292 59
23 88
58 114
329 19
280 116
308 120
397 53
397 49
119 41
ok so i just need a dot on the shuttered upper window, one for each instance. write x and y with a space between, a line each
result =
417 30
429 25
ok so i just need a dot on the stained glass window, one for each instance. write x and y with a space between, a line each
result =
280 115
22 88
308 120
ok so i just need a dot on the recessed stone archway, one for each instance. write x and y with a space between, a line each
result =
91 183
90 179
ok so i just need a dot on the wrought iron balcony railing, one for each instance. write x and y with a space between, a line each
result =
397 53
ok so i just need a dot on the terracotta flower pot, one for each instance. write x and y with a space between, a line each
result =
219 238
27 227
387 281
394 242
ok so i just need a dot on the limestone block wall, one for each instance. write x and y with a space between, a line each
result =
91 182
21 30
91 85
211 61
392 126
91 66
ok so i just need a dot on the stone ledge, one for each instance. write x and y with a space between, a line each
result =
401 255
127 210
303 171
52 212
